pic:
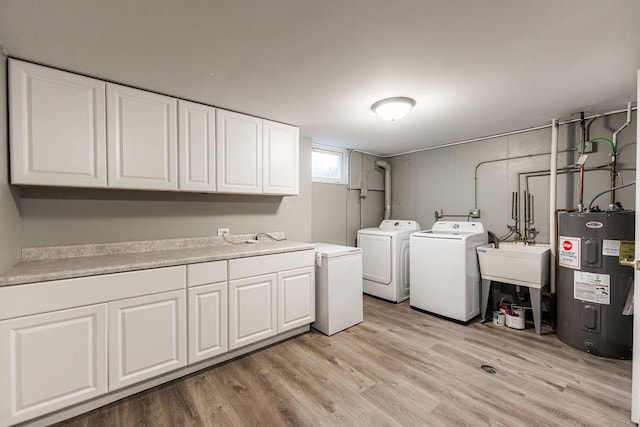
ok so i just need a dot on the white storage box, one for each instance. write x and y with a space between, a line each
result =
338 288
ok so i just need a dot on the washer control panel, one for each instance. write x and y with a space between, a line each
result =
399 225
458 227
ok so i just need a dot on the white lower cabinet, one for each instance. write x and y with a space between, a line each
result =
52 360
147 337
296 298
207 321
252 309
134 326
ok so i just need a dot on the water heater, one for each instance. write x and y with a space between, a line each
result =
592 286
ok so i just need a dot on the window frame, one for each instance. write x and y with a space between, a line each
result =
344 157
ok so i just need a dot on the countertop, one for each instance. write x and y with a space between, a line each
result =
117 261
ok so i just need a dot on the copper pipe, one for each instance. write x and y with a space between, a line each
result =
583 142
581 197
614 173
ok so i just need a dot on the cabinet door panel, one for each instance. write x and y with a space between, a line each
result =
252 314
142 139
196 143
280 158
58 127
50 361
207 321
239 152
296 298
147 337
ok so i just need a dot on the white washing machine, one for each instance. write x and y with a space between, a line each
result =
445 278
385 259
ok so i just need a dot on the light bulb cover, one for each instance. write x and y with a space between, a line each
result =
393 109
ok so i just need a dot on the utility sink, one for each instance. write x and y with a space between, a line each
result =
515 263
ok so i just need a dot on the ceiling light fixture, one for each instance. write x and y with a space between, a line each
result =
393 109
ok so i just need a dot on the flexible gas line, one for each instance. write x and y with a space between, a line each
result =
608 191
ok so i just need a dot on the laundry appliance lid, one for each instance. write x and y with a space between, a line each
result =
452 230
440 235
328 250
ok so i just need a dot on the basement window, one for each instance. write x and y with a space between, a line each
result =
328 164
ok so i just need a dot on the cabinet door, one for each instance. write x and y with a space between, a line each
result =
50 361
207 321
196 146
239 152
142 139
252 310
280 158
147 337
296 298
57 125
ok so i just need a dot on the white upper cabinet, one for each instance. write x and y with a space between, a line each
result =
142 139
280 158
239 152
69 130
57 125
196 146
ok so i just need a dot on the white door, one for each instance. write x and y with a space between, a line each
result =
58 127
238 152
252 310
635 383
147 337
196 147
207 321
296 298
51 361
376 257
280 158
142 139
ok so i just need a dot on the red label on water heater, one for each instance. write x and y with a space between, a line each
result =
569 252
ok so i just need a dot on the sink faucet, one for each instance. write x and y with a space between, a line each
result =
530 231
493 238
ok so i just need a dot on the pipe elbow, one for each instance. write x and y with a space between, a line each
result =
382 164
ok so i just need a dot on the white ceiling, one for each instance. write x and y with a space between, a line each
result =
475 67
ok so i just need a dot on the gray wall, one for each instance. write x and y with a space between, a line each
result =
10 221
337 214
73 216
444 178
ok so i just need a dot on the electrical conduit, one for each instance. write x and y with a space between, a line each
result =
614 156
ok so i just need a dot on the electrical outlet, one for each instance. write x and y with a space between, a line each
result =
475 213
223 231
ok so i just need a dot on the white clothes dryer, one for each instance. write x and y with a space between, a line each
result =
385 259
445 277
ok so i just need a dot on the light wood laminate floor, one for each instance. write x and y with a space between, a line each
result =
399 367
